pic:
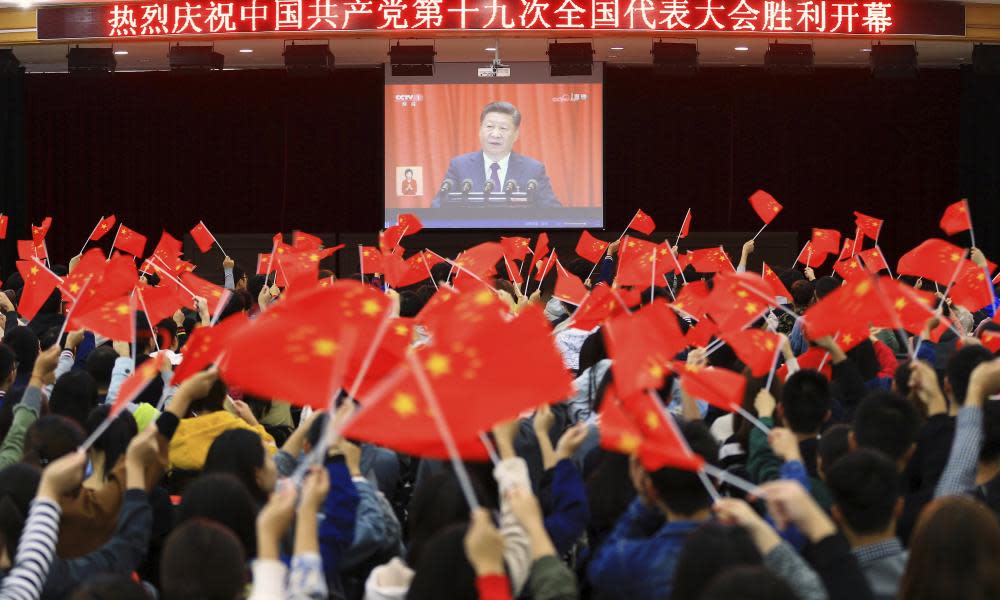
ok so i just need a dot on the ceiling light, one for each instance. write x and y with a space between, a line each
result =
866 49
246 50
121 52
617 48
741 49
490 49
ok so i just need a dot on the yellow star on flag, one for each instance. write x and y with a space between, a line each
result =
404 404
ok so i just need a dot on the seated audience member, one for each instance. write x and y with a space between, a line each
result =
190 548
638 558
241 452
747 583
866 503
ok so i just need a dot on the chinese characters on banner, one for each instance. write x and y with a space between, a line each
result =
187 17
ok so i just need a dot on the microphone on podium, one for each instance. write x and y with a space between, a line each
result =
447 186
466 186
530 188
488 188
510 187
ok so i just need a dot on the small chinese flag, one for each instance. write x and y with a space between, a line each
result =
135 383
775 282
130 241
851 336
401 273
39 283
810 359
956 218
662 444
874 260
847 249
515 248
371 260
701 334
389 239
826 241
203 238
635 262
541 246
857 301
113 319
512 272
590 248
810 257
205 346
933 259
869 226
755 347
410 223
710 260
971 289
38 232
159 302
569 288
849 269
618 432
642 222
548 263
991 341
102 228
599 305
306 241
692 298
168 252
765 206
642 346
27 250
481 260
3 227
91 267
719 387
263 264
685 226
738 299
214 294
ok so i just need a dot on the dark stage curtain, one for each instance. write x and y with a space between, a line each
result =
980 156
255 151
12 153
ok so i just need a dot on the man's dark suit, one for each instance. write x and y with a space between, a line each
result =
520 168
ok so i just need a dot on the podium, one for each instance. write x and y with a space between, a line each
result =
495 199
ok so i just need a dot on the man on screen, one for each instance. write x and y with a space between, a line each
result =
499 125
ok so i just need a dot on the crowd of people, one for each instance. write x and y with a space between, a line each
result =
873 474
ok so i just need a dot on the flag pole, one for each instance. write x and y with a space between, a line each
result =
91 235
678 240
796 261
545 271
761 230
494 458
774 367
423 257
678 265
142 302
135 332
652 278
442 426
968 212
114 241
214 239
165 270
752 419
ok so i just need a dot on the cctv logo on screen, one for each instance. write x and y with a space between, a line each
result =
409 99
570 98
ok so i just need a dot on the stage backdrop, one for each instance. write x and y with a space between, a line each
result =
253 151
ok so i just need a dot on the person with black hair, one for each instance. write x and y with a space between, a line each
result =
747 583
190 548
638 558
8 370
242 453
100 363
26 411
804 408
110 587
833 444
221 498
867 502
73 396
24 343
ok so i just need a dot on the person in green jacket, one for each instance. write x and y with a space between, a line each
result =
27 410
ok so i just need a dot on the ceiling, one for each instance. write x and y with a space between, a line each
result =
714 51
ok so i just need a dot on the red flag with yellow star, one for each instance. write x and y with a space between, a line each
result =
874 260
642 222
114 319
692 299
710 260
516 248
410 223
371 260
847 249
701 334
38 232
810 257
869 226
618 432
91 266
971 289
206 345
389 239
956 218
103 227
302 340
719 387
590 248
812 359
641 263
159 302
39 283
826 241
933 259
765 206
756 348
401 273
600 304
27 250
135 383
662 444
857 302
130 241
849 269
202 237
642 345
777 287
263 263
306 241
738 299
569 288
990 340
481 260
213 294
3 226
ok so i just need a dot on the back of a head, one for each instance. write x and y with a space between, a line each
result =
834 443
805 401
100 362
24 343
50 437
826 286
954 552
886 422
960 367
107 586
203 560
865 489
803 293
18 484
224 499
682 491
748 583
437 503
443 570
238 452
864 358
709 550
7 362
115 439
73 396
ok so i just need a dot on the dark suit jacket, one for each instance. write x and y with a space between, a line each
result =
520 168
